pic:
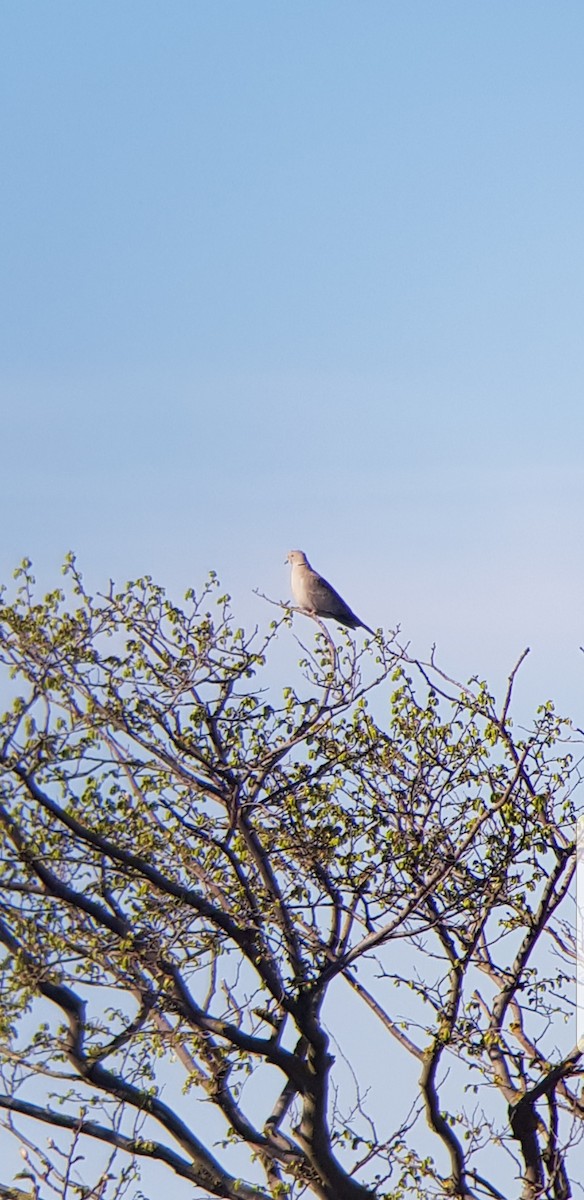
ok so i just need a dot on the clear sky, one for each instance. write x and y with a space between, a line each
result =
303 275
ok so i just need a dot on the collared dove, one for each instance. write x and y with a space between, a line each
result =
313 594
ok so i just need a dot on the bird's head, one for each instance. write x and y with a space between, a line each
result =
297 558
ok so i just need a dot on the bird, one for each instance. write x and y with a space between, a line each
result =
316 597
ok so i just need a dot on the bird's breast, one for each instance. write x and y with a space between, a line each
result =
300 582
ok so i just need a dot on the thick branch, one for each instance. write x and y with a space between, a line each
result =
211 1177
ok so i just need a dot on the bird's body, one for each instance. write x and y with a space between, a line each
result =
316 597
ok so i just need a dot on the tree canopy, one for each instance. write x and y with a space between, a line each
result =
311 937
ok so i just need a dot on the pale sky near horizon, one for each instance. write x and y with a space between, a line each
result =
304 275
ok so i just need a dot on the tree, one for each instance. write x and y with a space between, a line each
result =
202 876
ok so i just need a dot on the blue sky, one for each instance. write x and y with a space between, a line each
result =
303 275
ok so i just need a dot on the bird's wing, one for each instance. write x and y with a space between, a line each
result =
327 603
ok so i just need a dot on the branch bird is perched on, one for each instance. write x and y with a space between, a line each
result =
318 599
